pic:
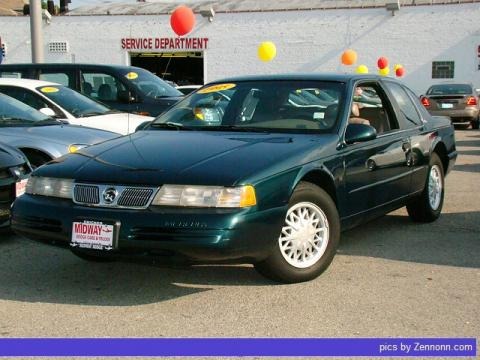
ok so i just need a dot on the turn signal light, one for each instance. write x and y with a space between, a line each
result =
425 102
471 100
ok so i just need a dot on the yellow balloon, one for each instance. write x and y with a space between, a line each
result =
384 71
267 51
397 66
362 69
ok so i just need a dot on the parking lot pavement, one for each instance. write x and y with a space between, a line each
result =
391 277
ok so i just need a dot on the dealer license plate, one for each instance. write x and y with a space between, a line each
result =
447 106
20 187
92 235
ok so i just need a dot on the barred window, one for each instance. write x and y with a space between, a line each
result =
443 69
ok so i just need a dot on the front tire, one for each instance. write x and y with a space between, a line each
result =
308 240
428 205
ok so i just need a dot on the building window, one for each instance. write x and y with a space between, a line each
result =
443 69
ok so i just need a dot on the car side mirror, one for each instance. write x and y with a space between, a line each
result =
359 133
126 96
47 111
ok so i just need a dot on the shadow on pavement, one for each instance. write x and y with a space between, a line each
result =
33 272
475 168
452 240
472 143
469 152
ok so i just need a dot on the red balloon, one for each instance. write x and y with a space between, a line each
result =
182 20
382 62
400 72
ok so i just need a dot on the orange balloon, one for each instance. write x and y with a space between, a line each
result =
349 57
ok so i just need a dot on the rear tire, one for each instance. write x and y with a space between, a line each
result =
428 205
476 124
308 240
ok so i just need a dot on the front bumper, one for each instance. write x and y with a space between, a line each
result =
458 116
204 235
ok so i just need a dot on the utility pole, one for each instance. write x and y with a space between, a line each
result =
36 31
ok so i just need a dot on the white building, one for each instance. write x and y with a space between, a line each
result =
435 41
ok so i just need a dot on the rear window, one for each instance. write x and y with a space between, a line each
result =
450 89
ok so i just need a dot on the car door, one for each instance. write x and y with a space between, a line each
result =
410 116
376 172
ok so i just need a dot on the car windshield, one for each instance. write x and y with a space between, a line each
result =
450 89
149 84
75 103
283 106
16 113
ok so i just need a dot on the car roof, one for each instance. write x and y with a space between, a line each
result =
67 65
302 76
27 83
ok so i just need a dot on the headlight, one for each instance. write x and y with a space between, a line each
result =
75 147
61 188
206 196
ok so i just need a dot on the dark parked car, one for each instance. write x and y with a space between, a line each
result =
238 172
125 88
14 171
459 102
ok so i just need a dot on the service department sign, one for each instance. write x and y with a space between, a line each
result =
175 43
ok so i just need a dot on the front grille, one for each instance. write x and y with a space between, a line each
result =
86 194
135 197
113 196
5 174
7 194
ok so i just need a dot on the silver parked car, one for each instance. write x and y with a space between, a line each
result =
459 102
40 137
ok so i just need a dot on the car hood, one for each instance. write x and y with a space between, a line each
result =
188 157
123 116
10 156
133 120
59 134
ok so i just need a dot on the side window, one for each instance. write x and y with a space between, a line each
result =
28 97
371 107
11 74
424 114
101 86
24 96
411 117
60 78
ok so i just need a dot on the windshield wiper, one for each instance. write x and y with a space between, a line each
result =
235 128
13 120
92 113
50 121
169 125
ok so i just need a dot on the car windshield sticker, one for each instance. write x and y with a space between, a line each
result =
131 75
49 89
215 88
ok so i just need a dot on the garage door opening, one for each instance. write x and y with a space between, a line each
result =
182 68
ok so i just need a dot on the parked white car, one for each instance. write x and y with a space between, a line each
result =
64 103
187 89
